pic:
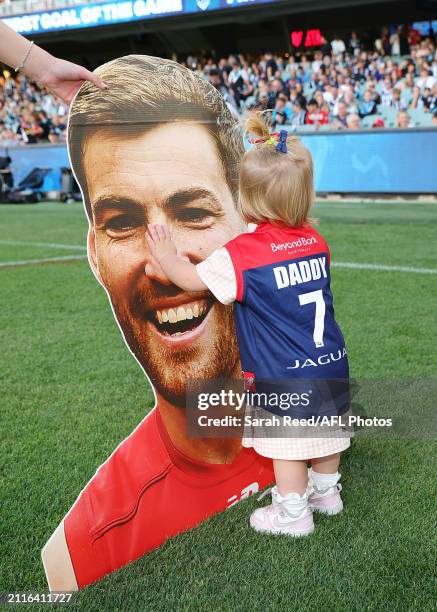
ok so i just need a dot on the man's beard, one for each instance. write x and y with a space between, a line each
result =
216 355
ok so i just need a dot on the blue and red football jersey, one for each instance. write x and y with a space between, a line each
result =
285 319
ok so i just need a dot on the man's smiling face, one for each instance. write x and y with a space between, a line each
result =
170 174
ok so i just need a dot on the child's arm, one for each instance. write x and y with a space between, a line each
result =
182 273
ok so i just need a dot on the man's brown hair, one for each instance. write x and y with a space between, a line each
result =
145 92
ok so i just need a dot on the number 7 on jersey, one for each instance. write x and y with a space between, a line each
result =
319 322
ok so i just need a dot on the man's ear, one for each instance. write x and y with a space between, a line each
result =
92 254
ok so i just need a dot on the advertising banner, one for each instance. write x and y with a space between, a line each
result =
109 13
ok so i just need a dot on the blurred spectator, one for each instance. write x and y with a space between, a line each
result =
320 100
282 107
433 99
53 137
299 114
7 137
413 36
318 62
353 122
337 45
326 47
279 119
237 81
44 124
383 44
354 44
434 119
398 103
403 120
270 64
296 95
367 105
426 78
387 91
216 79
316 115
351 103
340 120
404 40
331 97
374 95
395 44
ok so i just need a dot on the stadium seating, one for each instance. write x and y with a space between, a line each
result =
306 128
39 117
388 114
367 122
419 117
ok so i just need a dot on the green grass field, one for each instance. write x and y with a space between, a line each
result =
70 392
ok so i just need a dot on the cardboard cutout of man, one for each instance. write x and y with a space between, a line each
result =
159 146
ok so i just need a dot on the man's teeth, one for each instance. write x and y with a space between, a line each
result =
181 313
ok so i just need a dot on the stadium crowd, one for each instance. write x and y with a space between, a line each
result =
28 114
337 86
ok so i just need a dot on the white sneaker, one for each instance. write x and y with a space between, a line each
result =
324 493
328 501
289 515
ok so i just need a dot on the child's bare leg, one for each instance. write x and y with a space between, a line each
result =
291 476
326 465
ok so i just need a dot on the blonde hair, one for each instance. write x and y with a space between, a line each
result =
145 92
275 186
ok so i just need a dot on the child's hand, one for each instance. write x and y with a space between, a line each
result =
160 242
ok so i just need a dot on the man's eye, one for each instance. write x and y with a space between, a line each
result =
195 215
121 223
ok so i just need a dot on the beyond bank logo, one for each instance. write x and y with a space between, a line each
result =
286 246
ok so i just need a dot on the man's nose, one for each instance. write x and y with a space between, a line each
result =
186 249
154 272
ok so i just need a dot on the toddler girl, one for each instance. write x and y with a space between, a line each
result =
279 278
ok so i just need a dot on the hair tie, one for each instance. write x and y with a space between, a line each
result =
282 144
272 138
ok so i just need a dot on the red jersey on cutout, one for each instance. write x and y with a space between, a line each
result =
148 491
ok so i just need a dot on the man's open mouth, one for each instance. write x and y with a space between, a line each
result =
180 319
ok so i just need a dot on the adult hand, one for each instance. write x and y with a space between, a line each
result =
60 77
64 79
